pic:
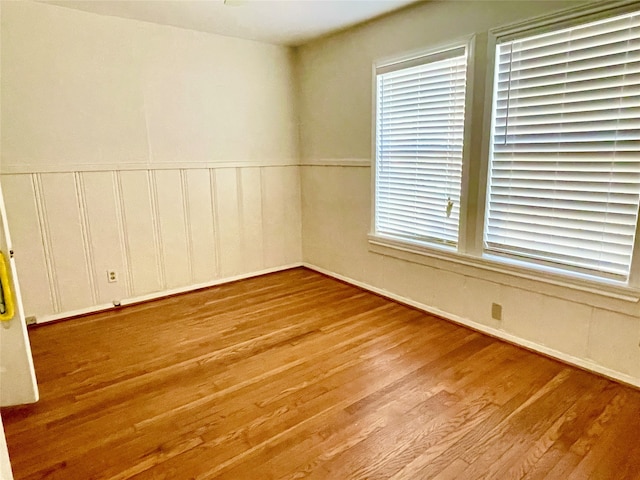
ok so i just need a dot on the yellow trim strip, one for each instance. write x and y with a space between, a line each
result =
7 294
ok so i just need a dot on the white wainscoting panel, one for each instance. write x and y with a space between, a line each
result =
201 231
144 258
103 219
61 205
251 205
22 212
282 221
228 216
174 240
161 230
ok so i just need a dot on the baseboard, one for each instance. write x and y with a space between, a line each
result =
161 294
581 363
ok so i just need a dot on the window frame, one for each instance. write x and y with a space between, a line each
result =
539 25
470 251
468 43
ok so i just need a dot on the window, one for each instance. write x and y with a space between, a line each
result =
555 195
419 142
564 176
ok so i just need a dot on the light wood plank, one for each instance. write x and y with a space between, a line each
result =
295 375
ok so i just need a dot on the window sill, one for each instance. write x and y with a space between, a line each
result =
421 254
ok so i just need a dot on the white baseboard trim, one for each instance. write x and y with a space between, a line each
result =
493 332
161 294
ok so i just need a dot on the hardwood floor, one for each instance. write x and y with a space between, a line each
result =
295 375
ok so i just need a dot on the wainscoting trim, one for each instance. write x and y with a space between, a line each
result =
25 168
337 162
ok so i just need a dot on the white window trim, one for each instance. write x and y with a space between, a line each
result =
469 43
470 244
423 254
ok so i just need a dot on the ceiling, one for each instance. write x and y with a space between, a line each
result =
283 22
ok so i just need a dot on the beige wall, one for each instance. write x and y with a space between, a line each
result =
167 155
80 89
335 76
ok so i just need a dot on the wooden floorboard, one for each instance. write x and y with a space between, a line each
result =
295 375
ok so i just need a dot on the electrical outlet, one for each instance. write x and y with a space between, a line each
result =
496 311
112 276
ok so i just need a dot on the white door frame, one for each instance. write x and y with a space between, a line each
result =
17 374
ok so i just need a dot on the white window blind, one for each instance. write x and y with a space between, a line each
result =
564 179
419 136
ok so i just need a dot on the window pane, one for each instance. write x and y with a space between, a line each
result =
564 179
419 136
